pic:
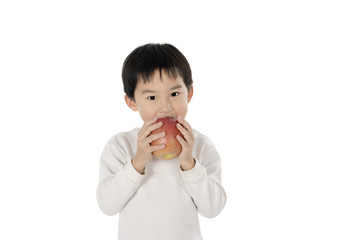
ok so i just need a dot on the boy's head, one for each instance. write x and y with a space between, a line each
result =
157 81
142 62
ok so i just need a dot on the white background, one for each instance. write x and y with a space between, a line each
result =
277 89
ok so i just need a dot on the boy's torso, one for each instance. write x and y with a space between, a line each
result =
161 208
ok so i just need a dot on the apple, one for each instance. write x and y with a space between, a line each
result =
172 146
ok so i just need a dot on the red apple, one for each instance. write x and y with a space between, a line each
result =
172 146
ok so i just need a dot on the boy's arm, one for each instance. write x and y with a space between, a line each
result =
203 181
118 180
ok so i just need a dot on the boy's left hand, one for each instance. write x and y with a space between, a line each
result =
187 143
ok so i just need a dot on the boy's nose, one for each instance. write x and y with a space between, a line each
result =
165 107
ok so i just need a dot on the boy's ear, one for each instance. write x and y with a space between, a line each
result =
130 103
190 93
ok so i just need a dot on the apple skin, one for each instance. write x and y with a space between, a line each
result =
172 146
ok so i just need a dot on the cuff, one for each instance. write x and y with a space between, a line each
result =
132 173
193 174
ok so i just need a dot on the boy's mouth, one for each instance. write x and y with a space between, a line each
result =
167 117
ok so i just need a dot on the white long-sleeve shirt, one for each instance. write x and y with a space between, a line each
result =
163 203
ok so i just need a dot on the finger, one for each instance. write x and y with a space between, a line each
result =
184 123
153 127
185 133
149 128
156 148
149 123
187 126
145 125
155 136
182 141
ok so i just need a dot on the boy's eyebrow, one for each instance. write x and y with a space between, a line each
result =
147 91
176 87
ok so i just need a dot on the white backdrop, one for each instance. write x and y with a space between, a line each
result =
277 88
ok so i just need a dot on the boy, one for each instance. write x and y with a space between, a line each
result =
159 199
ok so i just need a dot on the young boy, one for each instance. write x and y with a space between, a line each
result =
159 199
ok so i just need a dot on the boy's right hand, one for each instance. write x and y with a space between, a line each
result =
144 149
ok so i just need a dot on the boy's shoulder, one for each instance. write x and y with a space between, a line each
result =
202 139
198 135
124 137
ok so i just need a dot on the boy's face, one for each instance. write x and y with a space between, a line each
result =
158 98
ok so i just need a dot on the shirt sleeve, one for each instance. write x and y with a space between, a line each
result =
203 181
118 179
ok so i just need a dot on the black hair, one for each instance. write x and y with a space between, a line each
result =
142 62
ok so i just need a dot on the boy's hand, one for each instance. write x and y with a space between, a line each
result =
185 158
144 149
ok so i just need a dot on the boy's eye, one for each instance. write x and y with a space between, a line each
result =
174 94
151 98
